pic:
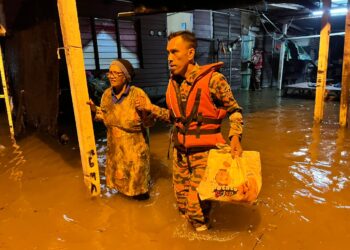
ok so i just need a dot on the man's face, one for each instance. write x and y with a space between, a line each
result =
116 76
180 55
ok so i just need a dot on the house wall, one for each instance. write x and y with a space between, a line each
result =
226 29
203 28
35 37
31 64
36 75
154 75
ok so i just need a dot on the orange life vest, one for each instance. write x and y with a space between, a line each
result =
198 121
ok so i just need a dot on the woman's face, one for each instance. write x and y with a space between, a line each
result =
116 77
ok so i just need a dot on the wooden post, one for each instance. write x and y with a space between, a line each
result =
322 62
75 63
345 82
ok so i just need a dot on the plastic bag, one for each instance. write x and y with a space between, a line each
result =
231 180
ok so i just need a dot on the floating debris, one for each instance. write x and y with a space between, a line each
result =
65 217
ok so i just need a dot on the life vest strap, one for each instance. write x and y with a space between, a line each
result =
192 150
201 121
211 121
201 131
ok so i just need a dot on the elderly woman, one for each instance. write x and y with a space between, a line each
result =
128 154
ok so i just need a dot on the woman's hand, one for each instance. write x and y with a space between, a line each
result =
92 105
96 110
143 104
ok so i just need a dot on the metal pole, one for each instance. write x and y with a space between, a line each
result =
228 46
315 36
272 58
117 36
94 42
281 61
230 65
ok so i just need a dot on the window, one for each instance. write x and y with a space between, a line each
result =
128 42
86 40
100 46
107 46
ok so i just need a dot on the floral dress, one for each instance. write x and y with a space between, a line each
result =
128 153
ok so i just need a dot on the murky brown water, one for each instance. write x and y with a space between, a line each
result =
304 202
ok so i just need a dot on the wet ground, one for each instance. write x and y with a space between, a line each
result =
304 202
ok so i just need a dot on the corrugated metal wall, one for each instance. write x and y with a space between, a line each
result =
203 28
226 29
145 45
153 77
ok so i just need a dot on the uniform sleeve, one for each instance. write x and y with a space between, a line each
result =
222 97
156 113
99 116
147 119
160 113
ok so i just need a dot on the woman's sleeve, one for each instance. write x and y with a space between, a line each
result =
147 119
99 116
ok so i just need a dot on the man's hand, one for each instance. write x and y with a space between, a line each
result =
248 191
143 104
92 105
236 148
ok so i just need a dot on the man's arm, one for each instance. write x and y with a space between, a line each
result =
161 114
145 105
223 98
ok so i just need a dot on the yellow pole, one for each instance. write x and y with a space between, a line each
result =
345 82
322 62
6 96
75 63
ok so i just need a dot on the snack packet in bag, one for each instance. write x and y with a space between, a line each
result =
231 180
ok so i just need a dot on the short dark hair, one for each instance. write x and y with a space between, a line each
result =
186 35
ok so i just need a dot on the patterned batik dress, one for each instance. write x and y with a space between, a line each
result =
128 153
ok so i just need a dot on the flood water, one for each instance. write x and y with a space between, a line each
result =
304 201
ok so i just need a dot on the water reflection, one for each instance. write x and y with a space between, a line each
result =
305 171
12 159
318 167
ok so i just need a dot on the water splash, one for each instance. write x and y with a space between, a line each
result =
183 231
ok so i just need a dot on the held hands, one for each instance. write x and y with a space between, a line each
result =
143 104
236 148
